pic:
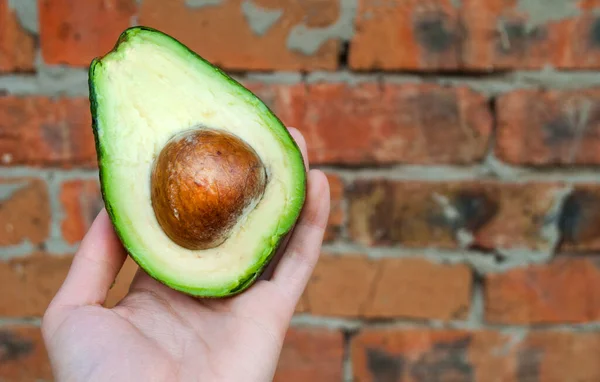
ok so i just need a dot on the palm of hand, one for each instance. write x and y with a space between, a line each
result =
158 334
164 335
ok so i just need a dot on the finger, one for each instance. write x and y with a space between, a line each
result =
94 268
301 142
296 265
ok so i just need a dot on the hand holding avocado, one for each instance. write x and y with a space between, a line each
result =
159 334
203 185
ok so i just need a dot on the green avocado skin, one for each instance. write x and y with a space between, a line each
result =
243 283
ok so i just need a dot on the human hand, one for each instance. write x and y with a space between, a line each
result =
158 334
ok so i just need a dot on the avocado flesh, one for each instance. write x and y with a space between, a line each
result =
149 88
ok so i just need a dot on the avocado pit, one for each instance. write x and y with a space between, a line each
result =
202 183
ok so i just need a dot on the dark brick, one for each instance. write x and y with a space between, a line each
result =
482 214
73 32
424 355
23 356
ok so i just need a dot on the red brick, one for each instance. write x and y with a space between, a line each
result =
537 127
341 285
24 211
30 283
559 356
41 131
414 355
406 34
579 222
223 35
564 291
483 214
370 123
475 35
393 123
17 46
314 355
336 214
73 32
81 201
356 286
287 101
23 354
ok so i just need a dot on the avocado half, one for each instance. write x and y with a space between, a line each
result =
201 180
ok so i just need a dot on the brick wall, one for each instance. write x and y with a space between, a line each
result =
461 139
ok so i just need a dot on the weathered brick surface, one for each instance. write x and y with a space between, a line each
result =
475 35
17 48
566 290
529 35
543 128
23 355
393 123
81 202
356 286
29 283
371 124
311 355
406 35
451 214
24 211
415 355
41 131
73 32
231 35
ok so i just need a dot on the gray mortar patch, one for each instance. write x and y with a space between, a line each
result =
550 230
8 322
515 337
27 12
60 80
260 19
548 77
19 85
20 250
196 4
308 40
456 3
541 12
498 168
342 77
289 78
